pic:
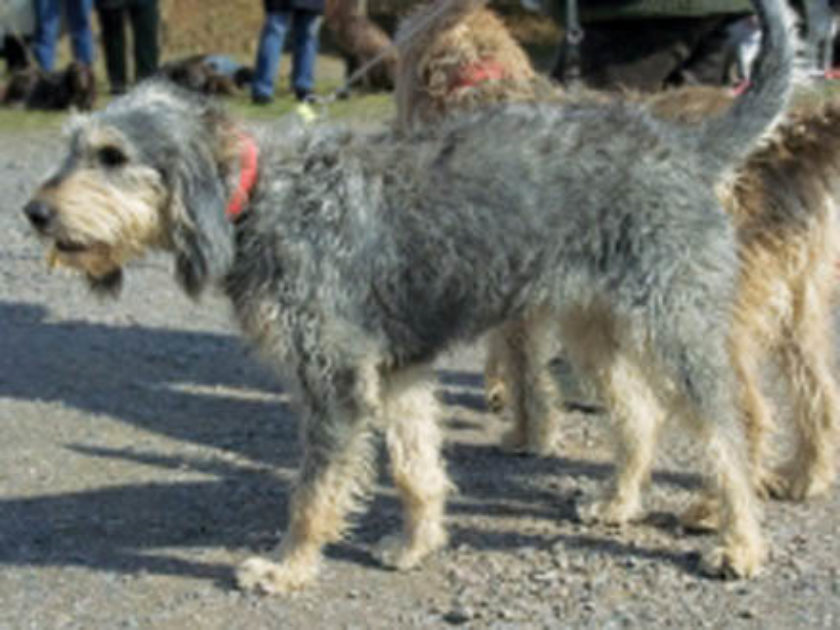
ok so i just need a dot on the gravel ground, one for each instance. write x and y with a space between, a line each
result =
143 453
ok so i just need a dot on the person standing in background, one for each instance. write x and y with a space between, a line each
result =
144 18
304 19
48 28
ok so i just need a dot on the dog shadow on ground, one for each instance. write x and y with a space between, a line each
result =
204 389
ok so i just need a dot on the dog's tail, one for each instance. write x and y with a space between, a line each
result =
412 38
726 140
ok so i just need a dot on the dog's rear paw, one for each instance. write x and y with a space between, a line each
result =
517 443
270 578
800 483
401 553
609 511
702 516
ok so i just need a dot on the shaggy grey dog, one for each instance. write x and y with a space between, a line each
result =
358 258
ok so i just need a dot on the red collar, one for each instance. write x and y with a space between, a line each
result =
248 159
483 70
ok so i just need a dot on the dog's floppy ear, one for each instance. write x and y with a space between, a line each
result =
201 234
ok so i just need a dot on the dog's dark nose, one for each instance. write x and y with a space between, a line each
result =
40 214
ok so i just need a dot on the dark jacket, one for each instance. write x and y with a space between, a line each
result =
274 6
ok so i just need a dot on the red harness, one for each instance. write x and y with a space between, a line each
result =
248 162
483 70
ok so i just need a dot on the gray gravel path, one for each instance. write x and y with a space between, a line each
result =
143 453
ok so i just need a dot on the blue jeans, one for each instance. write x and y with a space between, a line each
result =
48 29
305 28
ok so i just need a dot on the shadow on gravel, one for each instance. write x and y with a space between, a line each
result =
204 389
194 387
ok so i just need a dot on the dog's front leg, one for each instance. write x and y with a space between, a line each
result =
338 406
414 443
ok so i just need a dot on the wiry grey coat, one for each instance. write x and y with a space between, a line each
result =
363 256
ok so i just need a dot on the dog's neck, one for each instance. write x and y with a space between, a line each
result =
248 168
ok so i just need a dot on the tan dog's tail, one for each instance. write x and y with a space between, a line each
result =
726 140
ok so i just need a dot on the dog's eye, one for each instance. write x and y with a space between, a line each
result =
111 157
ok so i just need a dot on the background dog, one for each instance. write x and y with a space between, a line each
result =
457 55
213 75
361 41
75 86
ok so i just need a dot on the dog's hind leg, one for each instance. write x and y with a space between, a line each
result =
523 348
756 416
754 408
703 382
636 417
414 439
339 406
806 357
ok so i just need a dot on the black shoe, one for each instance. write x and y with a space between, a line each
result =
305 96
261 99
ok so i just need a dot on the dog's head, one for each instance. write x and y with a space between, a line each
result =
151 170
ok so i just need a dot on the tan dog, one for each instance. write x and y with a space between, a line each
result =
782 202
457 56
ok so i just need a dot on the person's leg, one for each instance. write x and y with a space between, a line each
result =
111 22
81 36
268 55
144 26
47 28
306 27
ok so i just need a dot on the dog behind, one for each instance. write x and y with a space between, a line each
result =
458 55
361 41
75 87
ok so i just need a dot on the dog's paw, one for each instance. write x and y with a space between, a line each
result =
613 510
515 442
732 561
769 483
401 553
270 578
800 483
702 516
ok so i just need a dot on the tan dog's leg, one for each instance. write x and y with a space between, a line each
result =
807 365
524 346
756 412
636 416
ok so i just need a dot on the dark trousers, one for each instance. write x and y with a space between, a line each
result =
143 17
649 54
